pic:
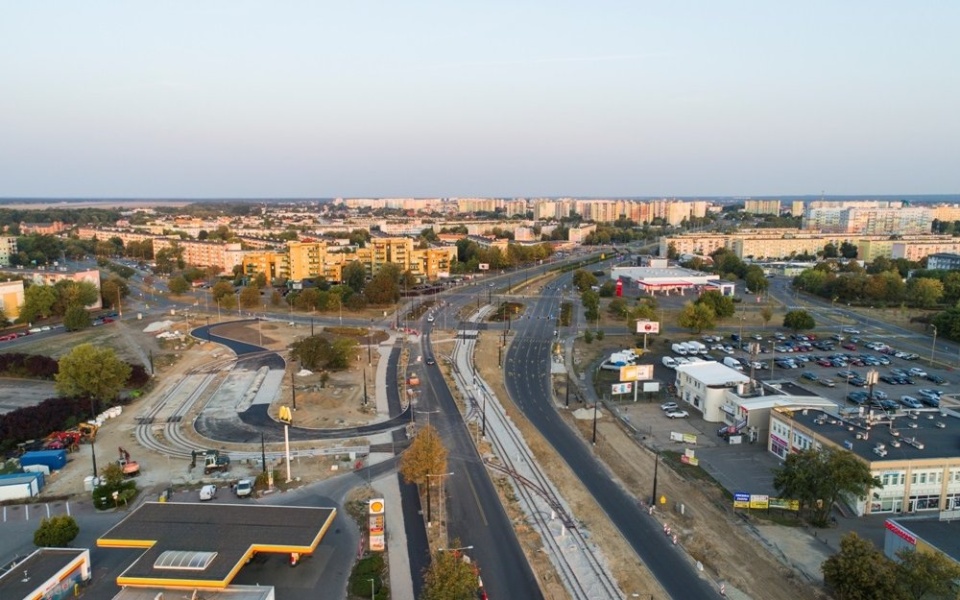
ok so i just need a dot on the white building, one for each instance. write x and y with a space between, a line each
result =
704 387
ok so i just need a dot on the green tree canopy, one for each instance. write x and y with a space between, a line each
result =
755 279
426 455
924 291
354 275
697 317
818 478
38 302
926 575
798 320
723 306
221 290
76 318
250 296
56 532
178 285
583 280
92 371
860 572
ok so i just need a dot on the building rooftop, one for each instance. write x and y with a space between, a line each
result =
943 535
921 434
659 272
210 542
713 373
22 580
234 592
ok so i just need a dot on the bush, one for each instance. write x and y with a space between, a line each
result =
103 495
56 532
367 568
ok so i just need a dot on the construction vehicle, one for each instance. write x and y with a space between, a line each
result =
131 468
213 461
63 440
88 431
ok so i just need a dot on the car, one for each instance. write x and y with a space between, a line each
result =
910 402
669 406
757 337
848 375
208 492
936 379
677 414
936 393
851 330
430 319
669 362
898 372
828 383
889 379
824 362
858 397
735 337
809 375
917 372
849 346
880 394
858 381
925 395
244 488
431 361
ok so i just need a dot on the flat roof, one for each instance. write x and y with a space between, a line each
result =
233 532
678 273
943 535
234 592
39 567
713 373
938 442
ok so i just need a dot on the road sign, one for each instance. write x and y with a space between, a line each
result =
621 388
636 373
648 327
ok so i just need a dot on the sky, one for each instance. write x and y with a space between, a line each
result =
366 98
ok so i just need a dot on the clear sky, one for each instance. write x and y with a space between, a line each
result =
496 98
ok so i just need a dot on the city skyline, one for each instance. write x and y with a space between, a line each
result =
623 99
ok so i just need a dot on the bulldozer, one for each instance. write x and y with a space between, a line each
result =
88 431
213 461
131 468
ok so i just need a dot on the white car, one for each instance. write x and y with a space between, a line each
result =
430 319
677 414
918 372
669 406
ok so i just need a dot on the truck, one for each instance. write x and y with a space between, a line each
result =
696 347
732 362
679 348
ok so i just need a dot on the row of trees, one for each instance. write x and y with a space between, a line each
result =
728 265
470 255
884 289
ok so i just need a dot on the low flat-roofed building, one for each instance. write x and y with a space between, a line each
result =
943 261
48 573
913 453
667 280
749 411
703 386
941 536
233 592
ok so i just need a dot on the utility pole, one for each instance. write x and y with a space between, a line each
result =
594 439
263 453
293 388
656 465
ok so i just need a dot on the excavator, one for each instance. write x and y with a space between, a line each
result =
131 468
88 431
63 440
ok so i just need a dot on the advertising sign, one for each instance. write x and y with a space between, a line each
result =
759 501
484 266
741 500
901 533
619 288
648 326
651 386
621 388
376 525
636 372
784 504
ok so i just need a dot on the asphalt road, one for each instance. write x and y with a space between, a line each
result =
527 375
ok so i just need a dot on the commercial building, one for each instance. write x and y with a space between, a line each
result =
913 453
703 386
47 574
669 280
935 536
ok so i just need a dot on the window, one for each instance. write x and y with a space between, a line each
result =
184 560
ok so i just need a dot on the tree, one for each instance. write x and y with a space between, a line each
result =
697 317
276 298
818 478
221 290
608 289
722 306
91 371
354 275
112 290
250 297
384 288
591 304
178 285
76 318
56 532
74 293
766 313
618 308
926 574
859 571
38 301
450 576
583 280
755 279
924 291
830 250
426 455
798 320
848 250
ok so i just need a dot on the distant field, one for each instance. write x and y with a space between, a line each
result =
18 393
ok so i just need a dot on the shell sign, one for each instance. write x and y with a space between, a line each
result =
376 525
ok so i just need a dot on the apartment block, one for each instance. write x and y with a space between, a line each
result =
944 261
199 254
8 248
917 251
762 207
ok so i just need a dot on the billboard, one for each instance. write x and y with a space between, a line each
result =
651 386
648 326
636 372
621 388
484 266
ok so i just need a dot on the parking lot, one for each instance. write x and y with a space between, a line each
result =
839 366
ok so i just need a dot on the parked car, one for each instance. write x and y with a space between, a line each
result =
848 375
858 381
243 488
669 406
917 372
851 330
810 375
936 379
828 383
849 346
930 399
678 414
208 492
858 397
910 402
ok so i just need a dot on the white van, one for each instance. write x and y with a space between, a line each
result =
669 362
208 492
732 362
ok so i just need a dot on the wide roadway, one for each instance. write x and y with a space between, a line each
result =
527 376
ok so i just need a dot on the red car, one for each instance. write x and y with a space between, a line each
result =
849 346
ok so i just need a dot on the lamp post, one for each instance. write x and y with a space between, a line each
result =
293 388
933 346
429 475
593 441
743 315
286 418
373 590
93 449
656 466
370 344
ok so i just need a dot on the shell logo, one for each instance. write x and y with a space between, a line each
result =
376 506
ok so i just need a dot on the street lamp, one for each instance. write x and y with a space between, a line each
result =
429 475
454 549
933 346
